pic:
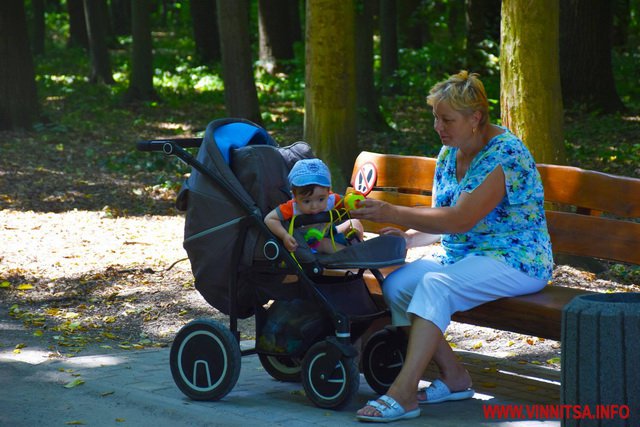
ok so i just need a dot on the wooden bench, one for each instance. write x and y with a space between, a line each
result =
589 214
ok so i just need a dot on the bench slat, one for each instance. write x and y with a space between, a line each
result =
617 195
594 236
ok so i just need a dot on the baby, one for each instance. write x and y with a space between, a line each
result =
310 182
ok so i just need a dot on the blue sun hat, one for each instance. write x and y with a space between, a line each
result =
310 171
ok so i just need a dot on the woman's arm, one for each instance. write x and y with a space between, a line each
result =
470 208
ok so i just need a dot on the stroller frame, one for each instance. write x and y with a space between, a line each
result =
382 354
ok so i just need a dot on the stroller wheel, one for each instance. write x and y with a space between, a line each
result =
328 383
281 368
205 360
382 358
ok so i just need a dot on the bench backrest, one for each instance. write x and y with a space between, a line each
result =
588 213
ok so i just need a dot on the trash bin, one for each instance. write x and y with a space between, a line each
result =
601 359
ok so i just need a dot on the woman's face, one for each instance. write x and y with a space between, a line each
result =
453 127
316 202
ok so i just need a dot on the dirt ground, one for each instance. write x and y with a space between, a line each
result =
83 282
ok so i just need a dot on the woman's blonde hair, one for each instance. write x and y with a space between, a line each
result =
464 92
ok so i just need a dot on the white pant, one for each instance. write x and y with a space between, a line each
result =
434 291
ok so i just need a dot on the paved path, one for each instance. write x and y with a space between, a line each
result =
136 389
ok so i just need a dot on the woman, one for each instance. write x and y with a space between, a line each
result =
488 214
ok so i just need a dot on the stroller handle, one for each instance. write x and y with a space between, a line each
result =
167 145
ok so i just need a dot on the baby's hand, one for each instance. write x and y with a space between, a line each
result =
290 243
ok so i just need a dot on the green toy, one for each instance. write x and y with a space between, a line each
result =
351 200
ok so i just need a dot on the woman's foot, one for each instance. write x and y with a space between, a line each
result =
386 410
409 404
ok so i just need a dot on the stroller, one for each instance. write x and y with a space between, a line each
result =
307 321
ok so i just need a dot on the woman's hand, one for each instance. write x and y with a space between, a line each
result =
393 231
372 210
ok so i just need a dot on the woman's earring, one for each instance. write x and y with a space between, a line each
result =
474 130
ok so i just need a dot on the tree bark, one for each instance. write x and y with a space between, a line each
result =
530 98
585 55
330 89
96 20
275 37
141 83
204 18
19 106
240 94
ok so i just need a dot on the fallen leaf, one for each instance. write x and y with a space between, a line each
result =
75 423
25 286
74 383
5 284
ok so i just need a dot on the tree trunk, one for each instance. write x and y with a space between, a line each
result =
204 17
530 98
388 40
141 83
77 26
275 37
37 39
585 55
330 87
240 95
96 21
18 94
369 116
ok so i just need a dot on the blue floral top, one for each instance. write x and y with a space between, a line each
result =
516 230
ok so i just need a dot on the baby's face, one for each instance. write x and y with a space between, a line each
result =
316 202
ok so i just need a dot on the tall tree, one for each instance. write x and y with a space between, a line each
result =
330 89
275 35
369 116
585 54
141 83
96 18
204 18
18 94
240 94
78 36
530 98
